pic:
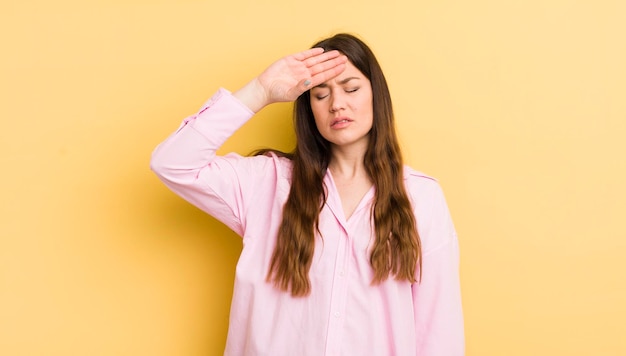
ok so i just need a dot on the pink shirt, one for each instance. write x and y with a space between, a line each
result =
344 314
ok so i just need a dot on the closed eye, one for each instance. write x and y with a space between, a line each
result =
320 97
319 93
352 90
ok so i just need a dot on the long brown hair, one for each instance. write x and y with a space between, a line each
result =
397 248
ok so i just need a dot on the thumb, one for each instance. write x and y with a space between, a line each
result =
302 86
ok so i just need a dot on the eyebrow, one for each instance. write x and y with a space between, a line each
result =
341 82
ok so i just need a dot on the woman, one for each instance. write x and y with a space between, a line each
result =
345 250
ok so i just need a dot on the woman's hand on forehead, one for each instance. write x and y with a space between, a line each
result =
290 76
287 78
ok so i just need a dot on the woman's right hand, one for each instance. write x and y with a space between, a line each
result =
289 77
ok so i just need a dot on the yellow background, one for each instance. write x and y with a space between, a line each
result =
518 107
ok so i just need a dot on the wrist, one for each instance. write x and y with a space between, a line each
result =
252 95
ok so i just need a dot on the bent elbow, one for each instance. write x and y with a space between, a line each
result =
159 166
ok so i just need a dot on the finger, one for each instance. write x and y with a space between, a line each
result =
305 84
301 87
326 75
322 57
327 65
301 56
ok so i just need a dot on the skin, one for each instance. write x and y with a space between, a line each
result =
332 80
286 79
343 111
342 107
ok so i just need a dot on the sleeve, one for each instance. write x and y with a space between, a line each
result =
187 162
437 297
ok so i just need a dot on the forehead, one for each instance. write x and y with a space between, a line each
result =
350 70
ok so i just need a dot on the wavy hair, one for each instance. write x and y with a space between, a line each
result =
397 249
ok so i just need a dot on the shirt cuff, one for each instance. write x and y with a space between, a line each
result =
221 116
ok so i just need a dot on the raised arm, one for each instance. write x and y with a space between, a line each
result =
186 161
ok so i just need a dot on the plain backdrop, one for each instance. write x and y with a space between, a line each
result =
517 107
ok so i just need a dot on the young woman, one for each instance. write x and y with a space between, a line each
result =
346 251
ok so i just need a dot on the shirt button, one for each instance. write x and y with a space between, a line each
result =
341 273
336 314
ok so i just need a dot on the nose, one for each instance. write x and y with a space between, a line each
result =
337 102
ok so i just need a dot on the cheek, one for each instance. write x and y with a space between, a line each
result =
368 103
316 107
367 110
317 113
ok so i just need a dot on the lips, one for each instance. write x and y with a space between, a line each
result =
340 122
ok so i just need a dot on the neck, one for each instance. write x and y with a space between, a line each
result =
347 163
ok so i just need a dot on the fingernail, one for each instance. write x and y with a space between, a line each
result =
307 83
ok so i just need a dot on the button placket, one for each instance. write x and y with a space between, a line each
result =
338 296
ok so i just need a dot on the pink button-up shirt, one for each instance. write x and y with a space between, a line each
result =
344 314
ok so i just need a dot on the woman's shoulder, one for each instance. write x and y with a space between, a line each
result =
434 223
422 187
413 177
